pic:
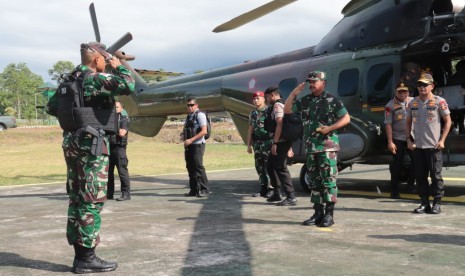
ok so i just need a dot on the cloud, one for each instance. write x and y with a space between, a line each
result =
174 35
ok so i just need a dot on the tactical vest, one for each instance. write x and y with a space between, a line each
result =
76 111
189 130
270 123
116 140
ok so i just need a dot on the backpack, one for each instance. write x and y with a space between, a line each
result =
70 86
293 128
190 125
209 125
292 124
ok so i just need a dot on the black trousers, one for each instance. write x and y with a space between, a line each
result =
198 180
398 163
119 159
457 117
277 168
429 162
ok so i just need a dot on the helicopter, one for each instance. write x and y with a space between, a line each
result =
376 44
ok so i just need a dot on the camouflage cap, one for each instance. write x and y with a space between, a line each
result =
426 78
96 47
401 87
316 75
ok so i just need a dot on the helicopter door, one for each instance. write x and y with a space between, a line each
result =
378 86
348 89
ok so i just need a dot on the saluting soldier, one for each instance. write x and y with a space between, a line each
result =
322 114
86 149
259 141
395 114
426 139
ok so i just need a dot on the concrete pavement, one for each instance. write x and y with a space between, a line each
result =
161 232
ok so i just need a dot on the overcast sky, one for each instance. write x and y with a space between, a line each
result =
175 35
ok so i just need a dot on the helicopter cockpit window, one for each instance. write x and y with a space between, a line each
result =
286 86
379 84
348 82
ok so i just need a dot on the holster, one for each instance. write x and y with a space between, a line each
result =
97 140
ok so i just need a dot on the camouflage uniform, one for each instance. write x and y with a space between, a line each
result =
321 150
88 174
261 144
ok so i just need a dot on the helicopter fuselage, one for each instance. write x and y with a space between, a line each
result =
362 72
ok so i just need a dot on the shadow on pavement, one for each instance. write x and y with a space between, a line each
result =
13 259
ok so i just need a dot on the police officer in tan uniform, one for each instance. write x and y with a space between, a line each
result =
395 113
427 141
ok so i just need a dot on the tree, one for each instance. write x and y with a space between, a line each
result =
154 76
60 68
17 88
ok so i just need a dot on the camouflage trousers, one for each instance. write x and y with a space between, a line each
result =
261 152
322 171
87 182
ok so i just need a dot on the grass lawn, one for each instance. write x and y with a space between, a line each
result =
34 155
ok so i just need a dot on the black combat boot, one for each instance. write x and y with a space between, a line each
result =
270 193
424 206
436 206
85 261
317 216
275 197
290 200
327 220
263 190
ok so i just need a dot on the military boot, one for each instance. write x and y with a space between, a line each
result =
263 190
424 206
85 261
327 220
436 209
317 216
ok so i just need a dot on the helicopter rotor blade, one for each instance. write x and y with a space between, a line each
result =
119 43
252 15
93 17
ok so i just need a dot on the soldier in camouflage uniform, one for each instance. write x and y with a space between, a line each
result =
322 114
259 141
87 173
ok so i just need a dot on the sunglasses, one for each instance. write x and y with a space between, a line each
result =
190 105
422 84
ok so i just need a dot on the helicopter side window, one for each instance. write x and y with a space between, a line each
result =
348 82
286 86
379 84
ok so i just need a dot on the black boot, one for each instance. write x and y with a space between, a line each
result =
327 220
436 206
85 261
290 200
317 216
424 206
270 193
263 190
275 197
